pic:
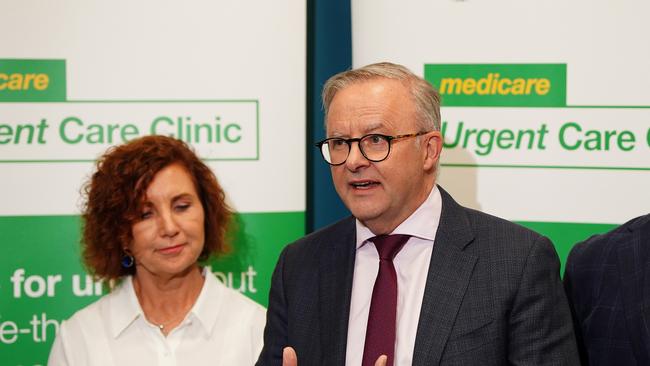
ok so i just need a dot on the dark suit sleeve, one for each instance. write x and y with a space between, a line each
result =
540 329
574 299
275 332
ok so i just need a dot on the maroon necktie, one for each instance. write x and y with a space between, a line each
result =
380 332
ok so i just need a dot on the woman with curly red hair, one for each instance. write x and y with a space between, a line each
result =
153 211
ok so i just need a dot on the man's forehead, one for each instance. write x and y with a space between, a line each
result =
343 128
371 96
375 84
367 108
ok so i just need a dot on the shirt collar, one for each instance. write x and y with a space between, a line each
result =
208 305
125 308
423 222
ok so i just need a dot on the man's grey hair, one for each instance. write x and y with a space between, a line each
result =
426 98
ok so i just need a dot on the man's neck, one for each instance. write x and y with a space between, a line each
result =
386 225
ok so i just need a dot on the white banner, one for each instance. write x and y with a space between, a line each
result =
585 161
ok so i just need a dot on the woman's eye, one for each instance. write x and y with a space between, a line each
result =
146 215
182 207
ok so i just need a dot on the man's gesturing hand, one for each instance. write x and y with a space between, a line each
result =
289 358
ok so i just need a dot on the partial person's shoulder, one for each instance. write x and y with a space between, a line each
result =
337 231
602 244
70 344
490 235
93 316
91 313
481 222
483 225
501 239
510 237
236 303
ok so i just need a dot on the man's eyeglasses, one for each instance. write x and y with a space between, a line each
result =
374 147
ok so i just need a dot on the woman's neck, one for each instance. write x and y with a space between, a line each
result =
166 300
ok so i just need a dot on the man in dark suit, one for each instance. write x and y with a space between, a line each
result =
412 276
607 279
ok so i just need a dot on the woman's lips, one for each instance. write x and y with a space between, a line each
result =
174 249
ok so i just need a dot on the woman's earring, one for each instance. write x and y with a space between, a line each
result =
127 260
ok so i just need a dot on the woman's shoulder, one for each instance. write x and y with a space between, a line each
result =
93 317
235 303
88 315
80 338
71 344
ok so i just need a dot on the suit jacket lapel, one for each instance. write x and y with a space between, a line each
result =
632 255
336 267
449 274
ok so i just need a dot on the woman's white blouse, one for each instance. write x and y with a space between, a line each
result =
223 328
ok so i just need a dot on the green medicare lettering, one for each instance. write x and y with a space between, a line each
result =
157 130
625 140
486 140
95 133
236 132
572 137
491 84
64 126
100 134
17 81
5 134
450 85
129 132
23 133
515 85
30 80
8 332
184 128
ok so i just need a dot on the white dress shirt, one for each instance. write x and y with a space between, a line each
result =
411 265
223 328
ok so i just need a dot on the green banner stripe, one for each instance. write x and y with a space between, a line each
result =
47 246
32 80
259 238
44 250
565 235
568 106
569 167
502 85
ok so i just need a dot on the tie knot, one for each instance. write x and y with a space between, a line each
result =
389 245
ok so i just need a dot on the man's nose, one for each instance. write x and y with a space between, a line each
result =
355 158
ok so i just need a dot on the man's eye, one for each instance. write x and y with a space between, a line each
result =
375 139
338 144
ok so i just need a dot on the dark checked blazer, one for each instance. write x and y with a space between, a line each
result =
607 279
493 296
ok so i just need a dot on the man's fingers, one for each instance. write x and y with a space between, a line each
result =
381 361
289 357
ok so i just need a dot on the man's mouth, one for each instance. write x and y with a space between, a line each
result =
364 184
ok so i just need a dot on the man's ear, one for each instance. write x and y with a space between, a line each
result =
432 149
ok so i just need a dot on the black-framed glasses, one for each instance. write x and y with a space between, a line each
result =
375 147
